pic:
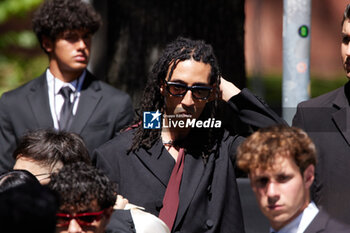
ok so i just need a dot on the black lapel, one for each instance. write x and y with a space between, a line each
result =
38 100
90 96
158 161
191 177
342 116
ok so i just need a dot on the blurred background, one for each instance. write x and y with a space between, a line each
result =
246 36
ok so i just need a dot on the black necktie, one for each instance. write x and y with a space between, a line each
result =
66 114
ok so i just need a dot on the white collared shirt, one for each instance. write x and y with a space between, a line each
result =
145 222
56 100
300 223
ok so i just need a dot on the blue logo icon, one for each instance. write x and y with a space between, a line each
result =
151 120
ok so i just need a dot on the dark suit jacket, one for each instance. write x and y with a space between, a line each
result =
102 111
121 222
323 223
327 121
209 200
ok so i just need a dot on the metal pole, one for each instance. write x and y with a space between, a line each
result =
296 55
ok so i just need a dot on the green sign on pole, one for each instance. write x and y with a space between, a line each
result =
303 31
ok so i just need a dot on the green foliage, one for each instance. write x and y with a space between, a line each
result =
272 85
23 39
19 59
17 70
321 86
16 8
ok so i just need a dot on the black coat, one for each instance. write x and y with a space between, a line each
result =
120 222
209 199
102 111
327 121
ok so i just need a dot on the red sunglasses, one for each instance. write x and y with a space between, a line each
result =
85 219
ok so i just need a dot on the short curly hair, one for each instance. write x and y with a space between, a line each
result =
57 16
80 184
261 149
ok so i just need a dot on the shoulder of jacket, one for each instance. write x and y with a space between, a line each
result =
322 100
23 89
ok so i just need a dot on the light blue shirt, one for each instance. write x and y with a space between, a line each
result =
300 223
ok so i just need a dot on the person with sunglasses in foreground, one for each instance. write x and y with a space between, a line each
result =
184 171
87 198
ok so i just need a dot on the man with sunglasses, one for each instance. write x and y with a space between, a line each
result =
184 172
86 199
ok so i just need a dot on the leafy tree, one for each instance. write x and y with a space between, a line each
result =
21 58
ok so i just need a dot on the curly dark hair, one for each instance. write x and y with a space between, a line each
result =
261 149
57 16
79 184
179 50
50 147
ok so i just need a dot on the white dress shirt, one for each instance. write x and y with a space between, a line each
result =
300 223
56 100
148 223
145 222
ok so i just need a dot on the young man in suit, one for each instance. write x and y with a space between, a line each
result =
327 121
184 172
66 96
280 162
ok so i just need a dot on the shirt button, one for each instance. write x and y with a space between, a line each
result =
159 205
209 223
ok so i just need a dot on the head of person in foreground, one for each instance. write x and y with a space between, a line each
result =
280 162
25 205
43 152
86 198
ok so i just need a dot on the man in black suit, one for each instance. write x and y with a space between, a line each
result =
280 161
184 171
66 96
327 121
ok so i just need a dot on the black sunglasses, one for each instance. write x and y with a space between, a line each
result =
180 89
